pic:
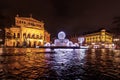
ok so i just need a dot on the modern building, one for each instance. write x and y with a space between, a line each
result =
99 39
27 31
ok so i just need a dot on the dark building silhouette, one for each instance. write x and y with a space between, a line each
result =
2 36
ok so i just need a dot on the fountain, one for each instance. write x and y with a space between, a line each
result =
62 42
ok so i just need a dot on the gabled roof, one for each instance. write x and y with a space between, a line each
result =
29 19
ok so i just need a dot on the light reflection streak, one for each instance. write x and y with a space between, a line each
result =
81 53
63 56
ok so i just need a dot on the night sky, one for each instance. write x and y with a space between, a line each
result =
71 16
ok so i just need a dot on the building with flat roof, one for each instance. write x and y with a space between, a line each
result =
101 38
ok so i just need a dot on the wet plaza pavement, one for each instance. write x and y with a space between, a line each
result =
100 64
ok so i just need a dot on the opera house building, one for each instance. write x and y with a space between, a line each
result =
27 31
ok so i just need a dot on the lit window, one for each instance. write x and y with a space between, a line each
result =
24 35
37 36
18 35
33 36
14 35
28 36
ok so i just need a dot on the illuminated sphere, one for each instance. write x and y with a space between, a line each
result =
61 35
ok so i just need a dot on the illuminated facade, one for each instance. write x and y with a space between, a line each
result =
26 32
100 38
116 40
47 37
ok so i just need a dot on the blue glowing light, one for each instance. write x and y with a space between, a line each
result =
61 35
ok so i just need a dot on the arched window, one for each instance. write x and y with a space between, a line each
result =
14 44
41 36
34 43
14 36
39 43
28 36
18 44
19 21
29 44
8 35
24 35
18 35
37 36
33 36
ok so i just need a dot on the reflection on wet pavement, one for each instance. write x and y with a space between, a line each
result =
80 64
